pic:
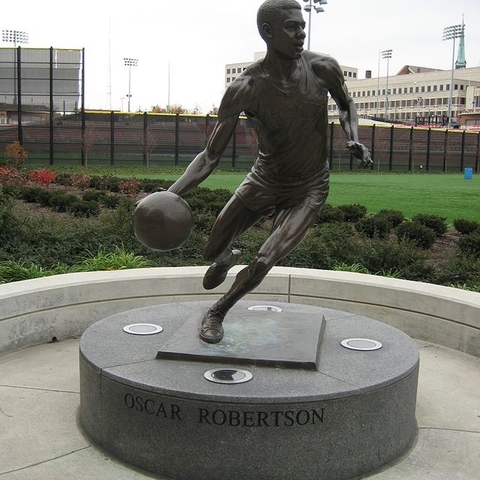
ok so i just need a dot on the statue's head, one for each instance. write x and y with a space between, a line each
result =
271 10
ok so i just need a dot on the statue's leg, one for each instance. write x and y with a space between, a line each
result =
232 221
289 229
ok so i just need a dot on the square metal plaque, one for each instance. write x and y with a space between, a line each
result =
275 339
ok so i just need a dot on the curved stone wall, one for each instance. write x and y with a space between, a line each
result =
54 308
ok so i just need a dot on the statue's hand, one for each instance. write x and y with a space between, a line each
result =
361 152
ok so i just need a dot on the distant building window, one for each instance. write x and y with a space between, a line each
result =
354 75
434 88
228 71
228 79
349 74
441 88
345 73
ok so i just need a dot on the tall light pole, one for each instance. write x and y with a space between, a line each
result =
308 9
15 37
378 84
168 96
451 33
388 55
130 62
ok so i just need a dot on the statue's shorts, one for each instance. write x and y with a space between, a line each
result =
265 194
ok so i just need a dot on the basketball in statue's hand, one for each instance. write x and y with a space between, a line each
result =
162 221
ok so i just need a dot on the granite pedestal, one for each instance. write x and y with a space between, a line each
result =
313 409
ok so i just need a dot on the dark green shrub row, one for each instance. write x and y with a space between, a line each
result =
387 245
330 245
422 230
61 201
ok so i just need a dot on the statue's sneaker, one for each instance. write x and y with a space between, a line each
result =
211 330
217 272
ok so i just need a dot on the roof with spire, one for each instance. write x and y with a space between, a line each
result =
460 62
411 69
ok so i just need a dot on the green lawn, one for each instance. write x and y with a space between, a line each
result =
447 195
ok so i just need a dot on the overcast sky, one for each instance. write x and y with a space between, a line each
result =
198 37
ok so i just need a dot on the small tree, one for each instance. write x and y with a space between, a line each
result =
214 110
149 145
177 108
158 109
196 110
88 141
15 155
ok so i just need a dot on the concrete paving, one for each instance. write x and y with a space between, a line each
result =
40 438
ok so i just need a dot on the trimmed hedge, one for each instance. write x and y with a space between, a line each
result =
383 244
434 222
421 235
464 226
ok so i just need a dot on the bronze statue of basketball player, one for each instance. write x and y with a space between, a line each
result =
285 97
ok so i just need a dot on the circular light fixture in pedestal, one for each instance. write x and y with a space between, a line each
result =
228 375
143 329
364 344
264 308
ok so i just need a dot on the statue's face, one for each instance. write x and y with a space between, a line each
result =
288 33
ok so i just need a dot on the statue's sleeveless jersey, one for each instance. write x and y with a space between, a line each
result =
291 126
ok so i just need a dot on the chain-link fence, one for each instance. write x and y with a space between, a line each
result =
173 140
42 107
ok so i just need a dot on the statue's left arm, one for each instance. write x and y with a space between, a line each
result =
330 72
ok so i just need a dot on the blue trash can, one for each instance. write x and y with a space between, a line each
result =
468 171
